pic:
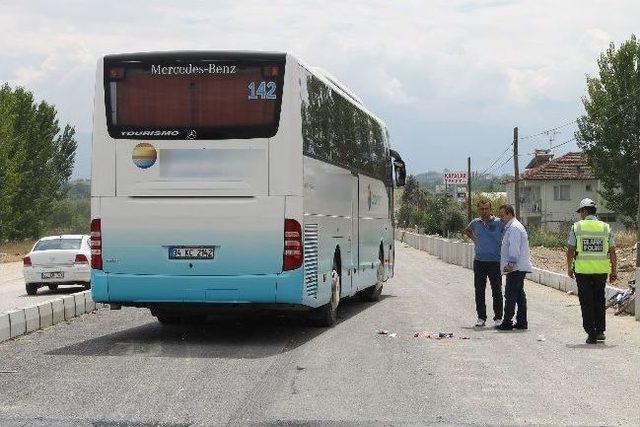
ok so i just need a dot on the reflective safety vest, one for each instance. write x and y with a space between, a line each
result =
592 247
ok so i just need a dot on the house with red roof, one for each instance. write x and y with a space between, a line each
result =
551 190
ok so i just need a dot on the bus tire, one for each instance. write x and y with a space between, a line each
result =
31 288
373 293
327 315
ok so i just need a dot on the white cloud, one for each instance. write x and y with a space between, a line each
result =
491 63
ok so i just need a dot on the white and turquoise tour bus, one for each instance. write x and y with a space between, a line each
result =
236 179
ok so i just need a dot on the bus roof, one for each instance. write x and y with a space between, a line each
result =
196 54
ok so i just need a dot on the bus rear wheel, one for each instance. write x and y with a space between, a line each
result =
327 315
373 293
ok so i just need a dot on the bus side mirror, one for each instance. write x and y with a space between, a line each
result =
401 173
399 168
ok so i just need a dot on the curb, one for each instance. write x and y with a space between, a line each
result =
461 253
26 320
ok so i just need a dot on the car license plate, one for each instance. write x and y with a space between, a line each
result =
191 252
53 275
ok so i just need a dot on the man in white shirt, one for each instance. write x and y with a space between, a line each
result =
515 262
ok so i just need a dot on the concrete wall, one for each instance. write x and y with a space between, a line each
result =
638 297
23 321
461 253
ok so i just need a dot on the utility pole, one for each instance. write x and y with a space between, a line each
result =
469 189
516 171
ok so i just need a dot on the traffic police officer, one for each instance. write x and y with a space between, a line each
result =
591 256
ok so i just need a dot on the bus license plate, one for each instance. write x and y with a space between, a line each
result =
53 275
191 252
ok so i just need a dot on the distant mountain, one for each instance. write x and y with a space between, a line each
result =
429 179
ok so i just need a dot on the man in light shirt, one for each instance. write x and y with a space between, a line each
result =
515 262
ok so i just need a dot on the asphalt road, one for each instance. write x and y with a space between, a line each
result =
13 294
118 368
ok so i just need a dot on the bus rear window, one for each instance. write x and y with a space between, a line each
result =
193 99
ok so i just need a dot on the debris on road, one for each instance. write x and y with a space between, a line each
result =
429 336
443 336
541 338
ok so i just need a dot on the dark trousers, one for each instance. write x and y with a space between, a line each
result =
592 300
514 294
482 270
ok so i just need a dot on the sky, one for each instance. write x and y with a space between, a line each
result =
451 78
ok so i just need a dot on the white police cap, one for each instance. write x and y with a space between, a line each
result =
584 203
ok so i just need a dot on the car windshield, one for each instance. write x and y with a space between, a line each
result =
50 244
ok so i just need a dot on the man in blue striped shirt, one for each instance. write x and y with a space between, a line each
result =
486 233
515 262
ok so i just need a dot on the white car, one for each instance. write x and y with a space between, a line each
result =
58 260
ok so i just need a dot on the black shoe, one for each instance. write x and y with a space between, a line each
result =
521 326
591 340
601 336
504 327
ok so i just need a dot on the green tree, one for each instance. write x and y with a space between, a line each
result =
410 188
443 215
36 160
609 132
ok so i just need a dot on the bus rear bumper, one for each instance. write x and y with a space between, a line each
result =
146 289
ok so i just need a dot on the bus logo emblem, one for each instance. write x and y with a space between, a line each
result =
192 134
144 155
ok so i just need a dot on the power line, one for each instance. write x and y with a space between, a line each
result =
547 131
496 160
505 162
562 143
499 166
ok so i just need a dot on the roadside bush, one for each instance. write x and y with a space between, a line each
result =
548 239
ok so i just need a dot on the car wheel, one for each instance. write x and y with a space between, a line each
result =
32 288
52 287
327 315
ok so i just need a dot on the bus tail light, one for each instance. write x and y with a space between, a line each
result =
292 245
96 244
26 261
